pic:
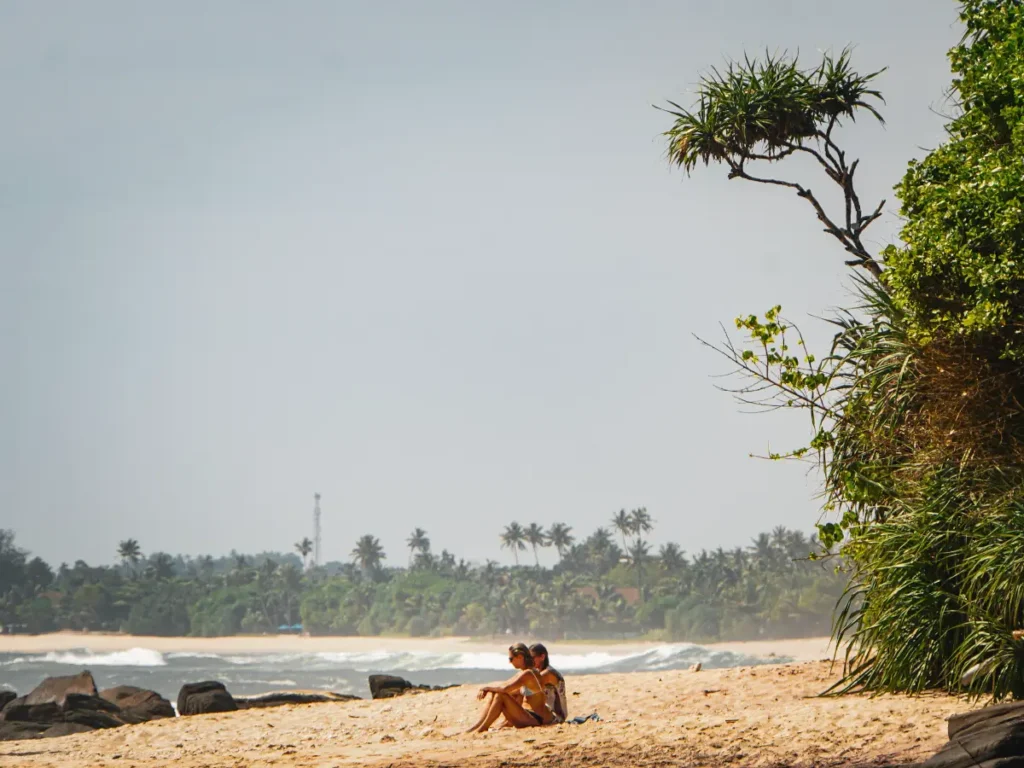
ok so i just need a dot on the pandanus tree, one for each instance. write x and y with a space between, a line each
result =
915 410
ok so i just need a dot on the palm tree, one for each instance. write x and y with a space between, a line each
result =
514 538
762 551
161 566
535 537
129 552
638 554
418 541
561 538
368 553
205 565
640 522
671 557
304 547
599 540
623 523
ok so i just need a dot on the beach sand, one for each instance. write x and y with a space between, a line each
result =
751 716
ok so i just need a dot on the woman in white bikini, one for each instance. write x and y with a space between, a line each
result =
531 711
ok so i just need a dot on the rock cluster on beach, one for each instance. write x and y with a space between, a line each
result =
60 706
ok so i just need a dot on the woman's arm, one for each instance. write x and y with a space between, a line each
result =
509 686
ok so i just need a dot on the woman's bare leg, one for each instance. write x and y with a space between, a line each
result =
487 716
514 712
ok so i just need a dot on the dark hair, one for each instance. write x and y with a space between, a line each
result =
520 649
536 650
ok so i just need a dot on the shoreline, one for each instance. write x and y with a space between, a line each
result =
796 649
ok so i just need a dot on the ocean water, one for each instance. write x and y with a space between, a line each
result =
339 672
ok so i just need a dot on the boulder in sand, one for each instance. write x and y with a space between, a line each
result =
55 689
279 698
984 738
386 686
57 707
205 698
16 731
138 704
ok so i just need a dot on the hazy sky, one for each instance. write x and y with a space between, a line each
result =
427 259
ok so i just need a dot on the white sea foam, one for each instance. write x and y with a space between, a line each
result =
657 658
133 657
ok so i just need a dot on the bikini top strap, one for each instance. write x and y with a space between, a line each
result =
540 683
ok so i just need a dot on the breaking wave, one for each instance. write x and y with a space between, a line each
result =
340 672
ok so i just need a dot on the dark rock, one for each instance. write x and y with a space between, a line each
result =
205 698
387 686
138 704
79 701
998 713
65 729
55 689
60 706
989 738
93 718
279 698
6 697
21 712
15 731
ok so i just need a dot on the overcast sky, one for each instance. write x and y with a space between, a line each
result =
427 259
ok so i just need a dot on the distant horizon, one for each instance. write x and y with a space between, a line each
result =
397 563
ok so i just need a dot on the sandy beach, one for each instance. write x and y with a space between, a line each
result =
802 649
756 716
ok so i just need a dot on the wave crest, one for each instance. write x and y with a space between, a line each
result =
133 657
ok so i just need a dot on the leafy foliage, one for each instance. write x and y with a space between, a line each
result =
960 268
768 590
916 410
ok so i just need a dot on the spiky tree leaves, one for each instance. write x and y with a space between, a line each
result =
764 110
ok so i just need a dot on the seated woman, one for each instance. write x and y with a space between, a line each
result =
554 683
503 701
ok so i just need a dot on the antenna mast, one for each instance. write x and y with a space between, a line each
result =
316 529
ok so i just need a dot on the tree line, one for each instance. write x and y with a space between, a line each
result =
606 584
